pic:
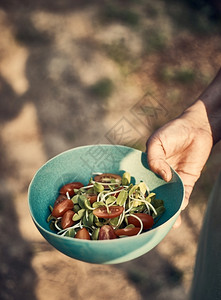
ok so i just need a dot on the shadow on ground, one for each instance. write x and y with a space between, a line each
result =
72 111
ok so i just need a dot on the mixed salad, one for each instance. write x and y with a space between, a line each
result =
109 207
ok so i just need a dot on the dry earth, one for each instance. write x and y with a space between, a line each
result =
51 58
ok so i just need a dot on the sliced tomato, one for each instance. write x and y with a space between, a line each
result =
59 199
66 220
127 231
69 187
62 207
83 234
92 198
114 211
107 233
146 219
106 178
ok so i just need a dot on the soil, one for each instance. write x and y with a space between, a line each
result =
75 73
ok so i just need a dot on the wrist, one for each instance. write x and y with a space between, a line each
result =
211 98
206 111
197 116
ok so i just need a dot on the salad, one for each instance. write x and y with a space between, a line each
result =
109 207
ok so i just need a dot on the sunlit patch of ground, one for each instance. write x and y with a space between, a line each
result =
77 74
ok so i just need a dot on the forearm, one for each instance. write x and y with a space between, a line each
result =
211 97
208 107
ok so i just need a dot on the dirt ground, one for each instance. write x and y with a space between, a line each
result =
86 72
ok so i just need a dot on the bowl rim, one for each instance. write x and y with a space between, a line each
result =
120 240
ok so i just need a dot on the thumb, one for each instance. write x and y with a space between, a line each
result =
157 159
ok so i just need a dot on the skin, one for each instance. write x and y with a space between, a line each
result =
185 143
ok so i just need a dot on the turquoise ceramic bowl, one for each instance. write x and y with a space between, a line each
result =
78 164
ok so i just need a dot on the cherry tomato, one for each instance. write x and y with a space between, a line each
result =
92 198
66 220
115 211
146 219
69 187
83 234
107 233
62 207
106 178
59 199
127 231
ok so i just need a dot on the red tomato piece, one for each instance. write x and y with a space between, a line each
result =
92 198
127 231
62 207
83 234
66 220
114 211
107 233
106 177
59 199
69 187
146 219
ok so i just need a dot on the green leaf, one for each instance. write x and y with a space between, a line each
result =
97 204
52 226
114 221
70 233
75 199
139 208
82 200
76 208
95 234
110 200
150 197
88 222
50 208
143 187
157 203
87 204
99 224
50 218
79 215
122 197
130 226
160 210
126 178
90 191
98 187
82 190
133 189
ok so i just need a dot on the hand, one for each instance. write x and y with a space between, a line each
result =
184 144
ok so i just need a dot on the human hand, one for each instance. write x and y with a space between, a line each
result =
184 144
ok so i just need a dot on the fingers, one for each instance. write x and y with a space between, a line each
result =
157 159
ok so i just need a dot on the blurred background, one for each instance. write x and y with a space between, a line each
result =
83 72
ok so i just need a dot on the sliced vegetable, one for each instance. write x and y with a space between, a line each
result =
114 211
107 233
127 231
70 187
62 207
146 219
83 234
66 220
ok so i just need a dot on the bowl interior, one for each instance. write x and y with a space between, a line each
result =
78 164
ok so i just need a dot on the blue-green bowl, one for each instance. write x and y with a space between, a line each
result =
78 164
